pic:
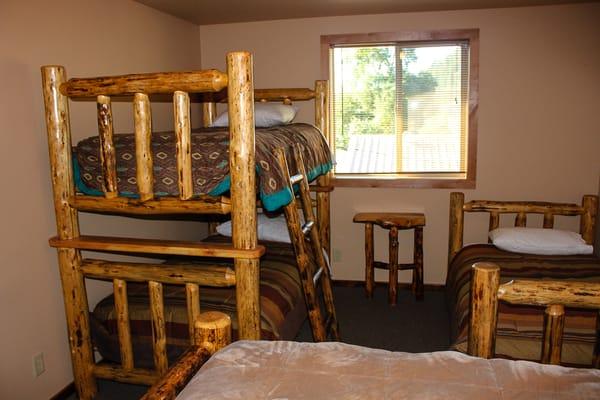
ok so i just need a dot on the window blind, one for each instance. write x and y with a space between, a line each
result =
400 107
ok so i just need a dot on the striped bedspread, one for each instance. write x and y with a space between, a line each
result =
282 308
520 327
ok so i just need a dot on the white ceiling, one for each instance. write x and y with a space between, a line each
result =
206 12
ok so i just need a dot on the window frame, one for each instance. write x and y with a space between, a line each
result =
465 180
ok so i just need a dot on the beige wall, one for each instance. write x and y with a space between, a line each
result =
88 37
539 136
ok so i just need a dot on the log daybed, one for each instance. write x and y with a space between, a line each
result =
520 327
292 370
208 87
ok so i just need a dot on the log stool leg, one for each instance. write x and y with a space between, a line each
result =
393 266
369 257
417 278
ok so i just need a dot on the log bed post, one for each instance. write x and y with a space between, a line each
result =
240 94
323 198
67 225
554 323
484 309
212 332
457 220
588 218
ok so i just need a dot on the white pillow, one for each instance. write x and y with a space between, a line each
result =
266 115
274 229
540 241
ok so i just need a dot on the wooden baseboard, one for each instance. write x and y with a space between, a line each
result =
401 286
65 392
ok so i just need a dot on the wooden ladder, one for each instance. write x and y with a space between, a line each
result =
301 235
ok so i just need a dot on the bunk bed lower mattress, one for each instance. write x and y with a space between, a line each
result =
519 334
281 301
210 162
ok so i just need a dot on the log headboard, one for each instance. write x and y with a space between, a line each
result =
587 212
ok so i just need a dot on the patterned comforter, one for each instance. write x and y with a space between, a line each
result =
282 308
210 162
520 327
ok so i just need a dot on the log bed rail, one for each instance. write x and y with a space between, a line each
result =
235 86
458 207
486 291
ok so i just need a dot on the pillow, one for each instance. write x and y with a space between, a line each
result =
266 115
274 229
540 241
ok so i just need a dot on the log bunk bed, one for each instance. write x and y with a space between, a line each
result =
212 369
208 87
520 327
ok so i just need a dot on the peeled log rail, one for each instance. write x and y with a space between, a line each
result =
531 207
192 296
542 293
177 274
151 246
183 148
161 206
290 94
116 373
122 311
152 83
143 146
108 158
159 334
179 375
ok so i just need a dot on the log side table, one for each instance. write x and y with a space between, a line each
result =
393 222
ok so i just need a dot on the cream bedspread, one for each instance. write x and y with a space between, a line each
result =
292 370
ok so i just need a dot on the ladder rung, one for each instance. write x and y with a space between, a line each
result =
296 178
317 276
307 227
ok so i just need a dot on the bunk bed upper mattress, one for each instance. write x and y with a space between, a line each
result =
210 162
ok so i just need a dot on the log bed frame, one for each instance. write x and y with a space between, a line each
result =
586 211
208 86
212 329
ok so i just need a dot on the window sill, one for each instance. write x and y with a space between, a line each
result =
453 181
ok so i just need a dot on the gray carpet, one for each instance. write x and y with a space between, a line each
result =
410 326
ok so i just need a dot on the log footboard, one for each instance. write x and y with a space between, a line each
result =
212 332
554 295
586 211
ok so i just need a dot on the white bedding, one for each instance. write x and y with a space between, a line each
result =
292 370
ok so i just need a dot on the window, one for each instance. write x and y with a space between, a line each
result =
404 107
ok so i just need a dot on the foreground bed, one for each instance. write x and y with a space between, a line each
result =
294 370
520 327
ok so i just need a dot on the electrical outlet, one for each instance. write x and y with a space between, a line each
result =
38 365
